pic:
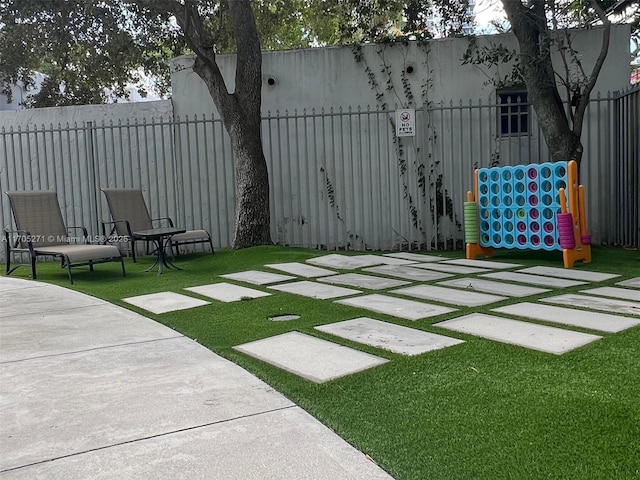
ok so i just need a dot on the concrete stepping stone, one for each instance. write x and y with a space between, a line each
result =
363 281
489 286
301 269
490 264
596 303
388 336
570 273
449 295
569 316
515 332
227 292
345 262
622 293
315 290
408 272
533 279
416 257
396 307
163 302
309 357
448 268
632 282
386 260
257 277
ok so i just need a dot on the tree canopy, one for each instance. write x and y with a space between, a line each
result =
91 51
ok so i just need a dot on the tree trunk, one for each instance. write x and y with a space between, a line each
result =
252 219
530 28
240 112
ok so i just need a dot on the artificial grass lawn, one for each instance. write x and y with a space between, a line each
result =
480 410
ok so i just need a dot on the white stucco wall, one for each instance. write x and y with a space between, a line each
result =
330 77
87 113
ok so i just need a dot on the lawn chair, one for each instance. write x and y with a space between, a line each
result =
129 214
41 233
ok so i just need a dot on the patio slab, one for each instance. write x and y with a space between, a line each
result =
363 281
163 302
529 335
72 329
396 307
570 273
632 282
301 269
345 262
309 357
490 264
602 322
315 290
95 399
408 272
227 292
533 279
286 443
624 307
489 286
416 257
449 295
448 268
388 336
41 298
622 293
256 277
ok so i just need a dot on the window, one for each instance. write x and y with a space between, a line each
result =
513 113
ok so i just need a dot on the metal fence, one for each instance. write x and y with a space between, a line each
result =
340 179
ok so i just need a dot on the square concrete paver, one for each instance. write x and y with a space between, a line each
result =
301 269
529 335
388 336
632 282
596 303
602 322
163 302
363 281
345 262
386 260
489 286
408 272
227 292
622 293
315 290
396 307
483 263
309 357
570 273
449 295
256 277
533 279
416 257
448 268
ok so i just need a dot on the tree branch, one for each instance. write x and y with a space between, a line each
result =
604 49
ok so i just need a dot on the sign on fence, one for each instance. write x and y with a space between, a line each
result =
406 122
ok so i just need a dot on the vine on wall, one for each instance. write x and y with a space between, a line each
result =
430 180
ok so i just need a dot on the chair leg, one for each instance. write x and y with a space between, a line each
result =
90 266
132 244
211 243
124 274
34 275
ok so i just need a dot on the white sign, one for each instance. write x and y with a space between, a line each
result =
406 122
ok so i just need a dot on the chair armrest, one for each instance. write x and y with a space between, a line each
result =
168 219
13 238
85 234
113 233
